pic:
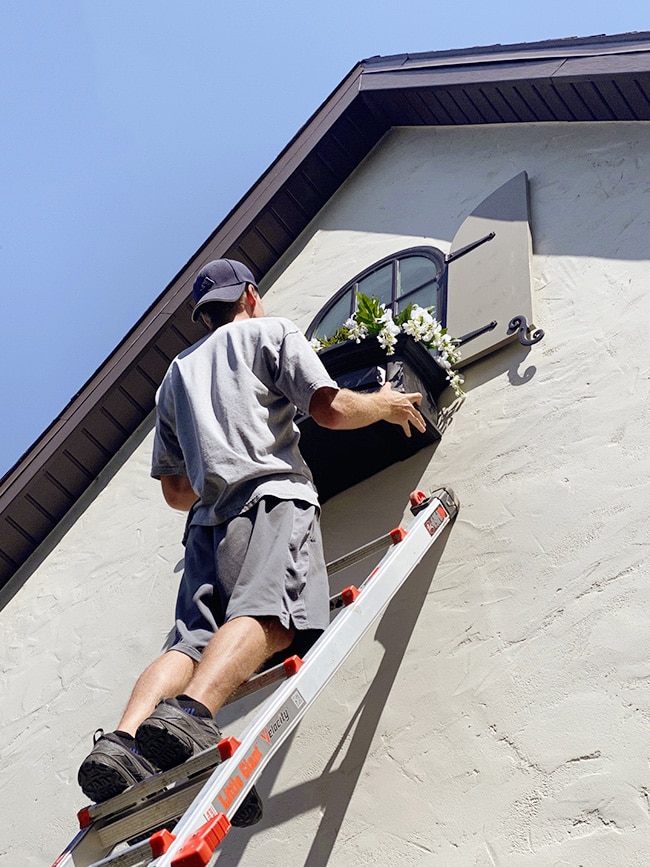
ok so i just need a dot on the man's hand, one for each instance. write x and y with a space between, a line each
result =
400 408
347 410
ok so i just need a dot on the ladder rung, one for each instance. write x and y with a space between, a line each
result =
258 681
137 794
359 554
134 856
149 817
278 672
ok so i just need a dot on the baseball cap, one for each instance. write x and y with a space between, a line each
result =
220 280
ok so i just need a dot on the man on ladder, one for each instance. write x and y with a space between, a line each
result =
255 582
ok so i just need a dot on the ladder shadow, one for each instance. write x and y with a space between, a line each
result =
407 604
334 788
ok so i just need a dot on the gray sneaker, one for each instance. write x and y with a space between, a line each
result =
173 734
113 765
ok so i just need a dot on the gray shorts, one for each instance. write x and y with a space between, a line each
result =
266 562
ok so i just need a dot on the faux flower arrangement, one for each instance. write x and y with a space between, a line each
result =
372 319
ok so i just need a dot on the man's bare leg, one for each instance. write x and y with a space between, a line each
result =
234 653
167 676
178 729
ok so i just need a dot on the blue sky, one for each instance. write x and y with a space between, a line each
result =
132 127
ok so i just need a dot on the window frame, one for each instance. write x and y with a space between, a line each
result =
432 253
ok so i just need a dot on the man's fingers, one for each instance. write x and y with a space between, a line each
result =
421 423
415 418
418 421
403 409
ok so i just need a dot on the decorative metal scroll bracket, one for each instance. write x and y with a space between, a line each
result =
519 323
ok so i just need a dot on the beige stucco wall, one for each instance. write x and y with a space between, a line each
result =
500 712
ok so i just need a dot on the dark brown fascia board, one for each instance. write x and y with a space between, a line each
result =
450 76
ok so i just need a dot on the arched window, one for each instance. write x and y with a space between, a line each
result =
416 275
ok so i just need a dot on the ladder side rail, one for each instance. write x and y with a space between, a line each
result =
225 789
83 849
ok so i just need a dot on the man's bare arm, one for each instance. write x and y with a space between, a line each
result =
178 492
346 410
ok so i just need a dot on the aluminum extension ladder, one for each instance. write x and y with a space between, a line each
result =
198 799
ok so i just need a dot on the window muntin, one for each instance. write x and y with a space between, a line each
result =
414 276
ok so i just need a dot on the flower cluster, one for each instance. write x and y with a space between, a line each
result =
373 319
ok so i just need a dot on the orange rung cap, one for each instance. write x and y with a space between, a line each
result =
397 534
160 842
84 817
417 497
227 747
199 849
292 664
349 594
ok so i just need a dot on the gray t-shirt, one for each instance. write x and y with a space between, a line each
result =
226 412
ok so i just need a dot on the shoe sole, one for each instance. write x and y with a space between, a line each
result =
250 812
163 742
161 745
99 782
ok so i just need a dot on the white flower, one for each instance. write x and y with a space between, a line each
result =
356 330
456 381
387 338
416 327
387 321
421 325
315 344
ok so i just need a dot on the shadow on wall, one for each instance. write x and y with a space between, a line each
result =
368 510
350 519
508 360
585 182
332 790
378 504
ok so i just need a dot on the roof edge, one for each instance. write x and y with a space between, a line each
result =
567 46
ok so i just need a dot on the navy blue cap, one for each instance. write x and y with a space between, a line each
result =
220 280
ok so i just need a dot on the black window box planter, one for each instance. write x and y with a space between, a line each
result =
340 459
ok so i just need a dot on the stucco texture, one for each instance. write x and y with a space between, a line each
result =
499 713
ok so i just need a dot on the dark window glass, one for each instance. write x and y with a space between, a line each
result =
379 284
334 317
411 276
417 280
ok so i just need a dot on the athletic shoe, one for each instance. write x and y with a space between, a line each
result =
113 765
250 811
173 734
